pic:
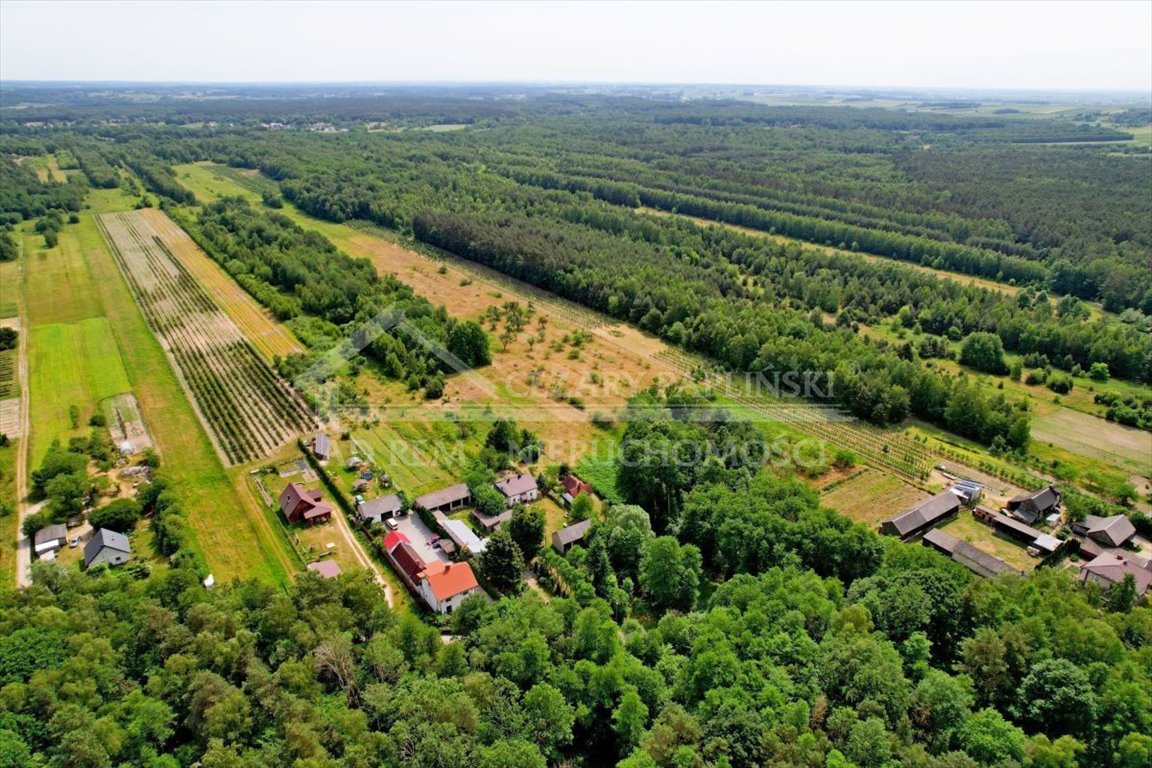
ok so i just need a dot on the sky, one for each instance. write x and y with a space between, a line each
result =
1017 45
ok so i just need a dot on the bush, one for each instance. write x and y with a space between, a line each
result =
121 515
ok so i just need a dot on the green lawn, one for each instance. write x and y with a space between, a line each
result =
70 364
8 522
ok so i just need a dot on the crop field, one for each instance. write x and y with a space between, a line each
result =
871 496
271 338
246 408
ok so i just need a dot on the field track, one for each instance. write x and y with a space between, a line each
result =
247 409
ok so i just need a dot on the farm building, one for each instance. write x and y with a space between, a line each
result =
107 548
1114 531
923 516
518 489
321 447
302 505
376 510
445 499
1033 507
565 538
1110 568
573 487
354 462
329 569
1043 543
974 559
50 539
463 536
445 585
491 522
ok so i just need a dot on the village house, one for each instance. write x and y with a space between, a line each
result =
409 564
107 548
565 538
1032 507
1109 569
922 516
329 569
445 585
573 487
298 504
1114 531
376 510
445 499
518 489
50 539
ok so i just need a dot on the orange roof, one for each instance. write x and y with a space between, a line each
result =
451 579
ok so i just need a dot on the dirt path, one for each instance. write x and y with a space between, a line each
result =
362 556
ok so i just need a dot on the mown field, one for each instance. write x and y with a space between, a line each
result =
224 534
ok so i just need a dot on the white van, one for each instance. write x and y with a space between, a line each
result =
392 524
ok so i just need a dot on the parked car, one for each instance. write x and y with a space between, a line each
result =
74 542
391 524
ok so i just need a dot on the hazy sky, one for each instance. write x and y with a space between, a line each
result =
1057 45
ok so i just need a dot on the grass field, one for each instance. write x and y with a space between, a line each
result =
9 522
112 328
70 365
871 496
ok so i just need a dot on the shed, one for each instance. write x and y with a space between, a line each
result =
565 538
50 539
376 510
445 499
321 447
463 536
922 516
971 557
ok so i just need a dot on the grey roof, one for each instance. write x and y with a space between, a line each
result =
572 533
385 505
1012 524
51 533
320 447
1036 503
1114 530
449 495
925 513
973 558
516 485
102 539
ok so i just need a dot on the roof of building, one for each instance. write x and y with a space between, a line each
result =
447 580
51 533
1047 542
1012 524
1037 501
105 539
385 505
409 560
574 486
394 539
491 522
572 533
1114 530
1112 567
971 557
329 569
463 536
449 495
320 445
925 513
516 485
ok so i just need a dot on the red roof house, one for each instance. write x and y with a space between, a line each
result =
393 540
302 505
574 486
446 585
409 561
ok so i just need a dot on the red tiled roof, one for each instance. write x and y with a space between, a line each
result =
394 539
409 561
451 579
575 486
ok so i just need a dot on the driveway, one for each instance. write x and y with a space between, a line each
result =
418 533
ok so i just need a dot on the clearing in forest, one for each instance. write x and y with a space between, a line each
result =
247 409
870 496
